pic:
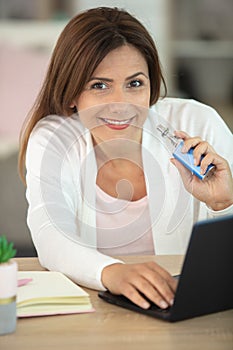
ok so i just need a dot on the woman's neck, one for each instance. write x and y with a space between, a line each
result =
119 152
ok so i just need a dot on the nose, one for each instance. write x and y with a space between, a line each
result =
118 95
118 108
118 101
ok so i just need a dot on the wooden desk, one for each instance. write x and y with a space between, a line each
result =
111 327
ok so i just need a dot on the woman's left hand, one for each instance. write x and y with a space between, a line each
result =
217 190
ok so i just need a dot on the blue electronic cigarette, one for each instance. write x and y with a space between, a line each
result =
185 158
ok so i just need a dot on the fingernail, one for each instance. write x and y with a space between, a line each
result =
145 305
171 302
202 171
163 304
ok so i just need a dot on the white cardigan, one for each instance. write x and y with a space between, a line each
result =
61 178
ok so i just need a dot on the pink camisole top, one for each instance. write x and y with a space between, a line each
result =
123 227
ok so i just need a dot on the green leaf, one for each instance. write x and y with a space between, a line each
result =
6 250
4 243
5 258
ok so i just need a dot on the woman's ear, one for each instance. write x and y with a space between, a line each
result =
73 107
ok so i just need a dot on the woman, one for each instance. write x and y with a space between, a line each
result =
99 179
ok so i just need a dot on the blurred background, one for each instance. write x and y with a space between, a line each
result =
195 42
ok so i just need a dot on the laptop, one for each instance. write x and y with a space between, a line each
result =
206 281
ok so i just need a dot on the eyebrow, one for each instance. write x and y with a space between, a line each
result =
128 78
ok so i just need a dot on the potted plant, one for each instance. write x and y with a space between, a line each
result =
8 287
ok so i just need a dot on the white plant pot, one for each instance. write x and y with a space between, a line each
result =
8 291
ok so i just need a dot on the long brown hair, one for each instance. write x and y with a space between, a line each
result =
82 45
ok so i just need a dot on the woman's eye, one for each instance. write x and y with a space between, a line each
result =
135 83
99 85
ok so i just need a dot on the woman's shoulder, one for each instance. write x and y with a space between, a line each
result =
195 118
56 142
58 130
182 104
58 124
188 114
57 134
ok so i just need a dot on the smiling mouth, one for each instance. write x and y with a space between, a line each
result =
115 122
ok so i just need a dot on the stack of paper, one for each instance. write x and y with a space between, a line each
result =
50 293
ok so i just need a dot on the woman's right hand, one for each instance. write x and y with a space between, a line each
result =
133 280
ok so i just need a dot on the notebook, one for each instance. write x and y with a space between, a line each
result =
206 281
50 293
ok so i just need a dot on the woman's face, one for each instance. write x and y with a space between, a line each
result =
115 102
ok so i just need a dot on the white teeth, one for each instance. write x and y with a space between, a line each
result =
116 122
